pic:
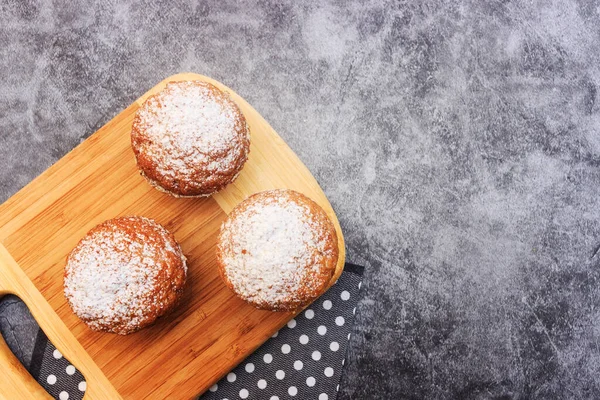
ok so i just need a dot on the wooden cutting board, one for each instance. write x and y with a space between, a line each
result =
210 332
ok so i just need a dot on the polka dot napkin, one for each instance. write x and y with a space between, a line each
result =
304 360
54 372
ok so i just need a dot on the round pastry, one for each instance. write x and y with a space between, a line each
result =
124 274
277 250
190 139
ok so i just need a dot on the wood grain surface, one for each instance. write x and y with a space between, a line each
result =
211 331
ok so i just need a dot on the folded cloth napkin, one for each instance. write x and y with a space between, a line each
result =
303 360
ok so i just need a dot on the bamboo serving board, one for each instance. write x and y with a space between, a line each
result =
210 332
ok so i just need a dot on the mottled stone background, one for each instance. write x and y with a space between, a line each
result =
458 141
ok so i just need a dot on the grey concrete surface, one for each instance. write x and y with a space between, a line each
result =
458 141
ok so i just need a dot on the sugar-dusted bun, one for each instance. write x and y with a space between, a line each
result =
277 250
190 139
124 274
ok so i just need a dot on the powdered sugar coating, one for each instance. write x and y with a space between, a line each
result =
277 250
124 274
190 139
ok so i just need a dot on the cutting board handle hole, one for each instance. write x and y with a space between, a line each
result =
39 357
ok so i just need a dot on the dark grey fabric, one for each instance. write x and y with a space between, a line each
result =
18 328
304 360
55 373
324 327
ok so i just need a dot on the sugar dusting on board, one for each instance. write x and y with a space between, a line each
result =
111 277
275 249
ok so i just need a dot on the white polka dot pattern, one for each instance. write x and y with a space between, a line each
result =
55 373
300 361
304 359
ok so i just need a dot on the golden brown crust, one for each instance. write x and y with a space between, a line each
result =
124 274
272 289
190 140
